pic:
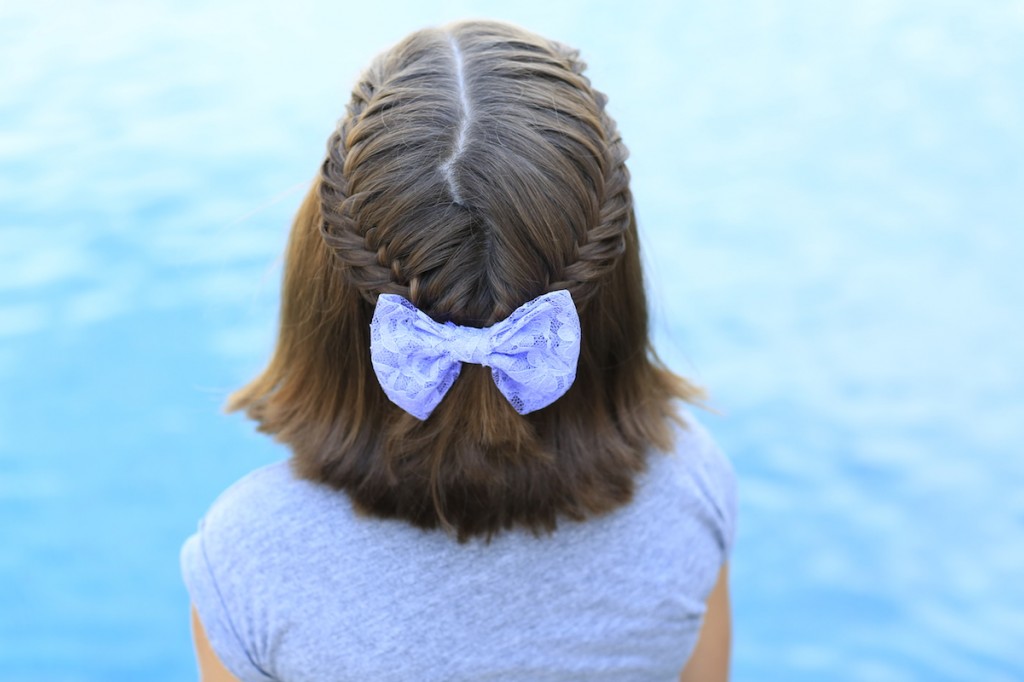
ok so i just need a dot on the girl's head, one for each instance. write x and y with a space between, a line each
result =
475 169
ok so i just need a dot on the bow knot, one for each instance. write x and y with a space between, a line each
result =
470 344
532 354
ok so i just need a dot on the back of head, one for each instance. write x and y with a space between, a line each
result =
475 170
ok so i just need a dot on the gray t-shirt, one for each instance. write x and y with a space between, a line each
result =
292 585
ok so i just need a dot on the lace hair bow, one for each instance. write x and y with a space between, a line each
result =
532 353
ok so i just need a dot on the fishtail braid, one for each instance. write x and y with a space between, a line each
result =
368 266
601 247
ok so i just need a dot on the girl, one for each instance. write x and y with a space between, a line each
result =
492 476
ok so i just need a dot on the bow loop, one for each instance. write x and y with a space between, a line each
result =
532 354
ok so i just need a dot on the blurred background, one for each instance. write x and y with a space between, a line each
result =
831 197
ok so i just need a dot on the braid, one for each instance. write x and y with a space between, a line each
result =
598 252
367 263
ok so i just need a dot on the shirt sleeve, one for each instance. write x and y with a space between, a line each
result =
724 477
223 629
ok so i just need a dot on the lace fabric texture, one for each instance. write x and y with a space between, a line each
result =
532 353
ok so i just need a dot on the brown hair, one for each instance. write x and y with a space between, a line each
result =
475 170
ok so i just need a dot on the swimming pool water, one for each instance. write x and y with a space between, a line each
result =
830 198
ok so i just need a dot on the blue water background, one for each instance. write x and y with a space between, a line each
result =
832 204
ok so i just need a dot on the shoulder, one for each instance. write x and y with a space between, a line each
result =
264 509
701 473
252 531
700 452
257 494
257 522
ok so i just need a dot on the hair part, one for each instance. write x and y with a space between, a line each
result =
475 169
466 116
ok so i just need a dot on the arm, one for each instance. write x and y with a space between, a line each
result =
210 667
709 661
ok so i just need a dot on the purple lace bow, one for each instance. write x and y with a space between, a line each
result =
532 353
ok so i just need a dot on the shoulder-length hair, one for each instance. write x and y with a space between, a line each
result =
475 169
